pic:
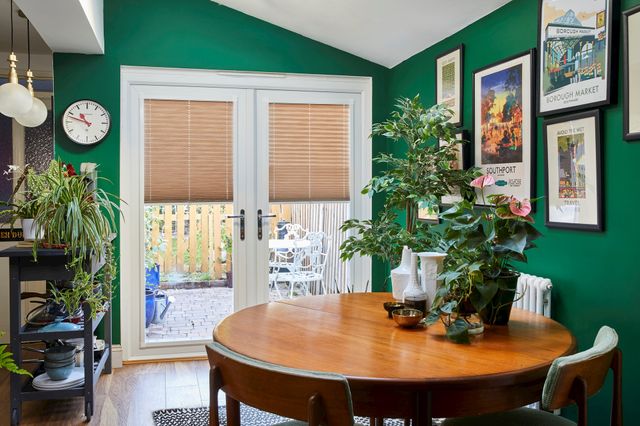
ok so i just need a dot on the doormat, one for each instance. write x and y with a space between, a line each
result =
249 416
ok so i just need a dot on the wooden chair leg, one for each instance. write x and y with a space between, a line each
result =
616 402
233 412
214 387
407 422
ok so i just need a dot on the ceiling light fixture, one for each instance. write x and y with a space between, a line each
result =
15 99
38 112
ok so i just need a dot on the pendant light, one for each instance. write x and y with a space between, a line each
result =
14 98
38 112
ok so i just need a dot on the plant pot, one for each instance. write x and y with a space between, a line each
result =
29 230
498 311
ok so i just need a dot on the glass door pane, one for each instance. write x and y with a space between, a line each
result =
305 139
188 235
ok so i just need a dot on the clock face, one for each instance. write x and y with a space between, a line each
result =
86 122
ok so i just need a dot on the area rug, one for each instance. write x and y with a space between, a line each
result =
249 416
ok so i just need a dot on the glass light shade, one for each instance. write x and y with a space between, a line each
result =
15 99
35 116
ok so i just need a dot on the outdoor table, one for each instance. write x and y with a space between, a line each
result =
288 244
401 373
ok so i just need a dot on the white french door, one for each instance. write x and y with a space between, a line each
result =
251 98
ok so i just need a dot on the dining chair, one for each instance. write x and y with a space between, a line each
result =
321 399
571 379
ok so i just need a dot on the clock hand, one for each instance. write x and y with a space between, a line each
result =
85 120
81 120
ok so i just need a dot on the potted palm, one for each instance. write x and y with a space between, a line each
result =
421 177
481 244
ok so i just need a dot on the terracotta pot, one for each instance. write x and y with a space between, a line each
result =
498 311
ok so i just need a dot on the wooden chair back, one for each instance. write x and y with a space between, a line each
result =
317 398
574 378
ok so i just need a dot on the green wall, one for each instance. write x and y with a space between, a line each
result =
595 275
188 34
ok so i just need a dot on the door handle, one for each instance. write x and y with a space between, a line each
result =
241 217
260 217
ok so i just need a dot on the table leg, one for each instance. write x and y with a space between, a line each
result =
16 347
423 409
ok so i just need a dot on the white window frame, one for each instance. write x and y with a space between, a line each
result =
136 83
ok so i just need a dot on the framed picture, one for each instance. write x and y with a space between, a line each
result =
428 214
573 171
574 44
504 125
449 68
631 59
462 162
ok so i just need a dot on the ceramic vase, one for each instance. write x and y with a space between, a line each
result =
414 296
431 265
29 230
400 275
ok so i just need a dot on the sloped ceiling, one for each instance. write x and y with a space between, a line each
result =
386 32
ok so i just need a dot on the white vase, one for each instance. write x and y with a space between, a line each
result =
29 229
414 296
431 265
400 275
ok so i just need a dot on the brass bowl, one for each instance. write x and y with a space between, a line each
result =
407 317
392 306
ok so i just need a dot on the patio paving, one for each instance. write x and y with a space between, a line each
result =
194 314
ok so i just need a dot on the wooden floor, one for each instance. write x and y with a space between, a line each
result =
126 397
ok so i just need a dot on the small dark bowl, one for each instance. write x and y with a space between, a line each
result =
407 317
59 353
392 306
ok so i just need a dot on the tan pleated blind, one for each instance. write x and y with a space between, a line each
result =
188 151
308 152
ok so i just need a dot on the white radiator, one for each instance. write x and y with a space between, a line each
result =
534 294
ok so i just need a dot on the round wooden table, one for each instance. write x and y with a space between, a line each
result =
401 373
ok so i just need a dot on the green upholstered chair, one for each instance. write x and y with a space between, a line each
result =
321 399
571 379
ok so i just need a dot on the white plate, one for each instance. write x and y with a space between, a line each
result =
43 382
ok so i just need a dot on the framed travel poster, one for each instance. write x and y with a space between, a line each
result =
573 175
428 214
574 44
631 35
449 82
461 163
504 126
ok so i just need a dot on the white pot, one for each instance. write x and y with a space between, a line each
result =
400 276
431 265
29 229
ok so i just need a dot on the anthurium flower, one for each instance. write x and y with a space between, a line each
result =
483 181
520 208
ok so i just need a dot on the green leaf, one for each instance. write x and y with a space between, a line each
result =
482 294
458 331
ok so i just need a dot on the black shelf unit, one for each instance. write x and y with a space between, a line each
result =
50 265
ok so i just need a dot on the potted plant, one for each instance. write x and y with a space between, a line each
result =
421 177
152 249
22 204
481 244
72 213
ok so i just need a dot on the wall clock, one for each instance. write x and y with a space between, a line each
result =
86 122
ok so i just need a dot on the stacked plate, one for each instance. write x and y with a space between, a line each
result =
43 382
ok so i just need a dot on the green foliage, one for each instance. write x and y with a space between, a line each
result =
72 212
480 244
152 249
7 362
422 176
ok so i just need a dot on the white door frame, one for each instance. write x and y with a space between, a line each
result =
136 83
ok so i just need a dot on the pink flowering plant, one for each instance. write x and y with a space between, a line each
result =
481 243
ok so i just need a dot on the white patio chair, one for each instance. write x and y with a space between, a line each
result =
294 231
281 263
309 270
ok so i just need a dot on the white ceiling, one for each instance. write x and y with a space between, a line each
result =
38 46
386 32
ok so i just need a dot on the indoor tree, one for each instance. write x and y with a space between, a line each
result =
420 177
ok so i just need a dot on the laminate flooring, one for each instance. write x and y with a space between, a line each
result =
126 397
